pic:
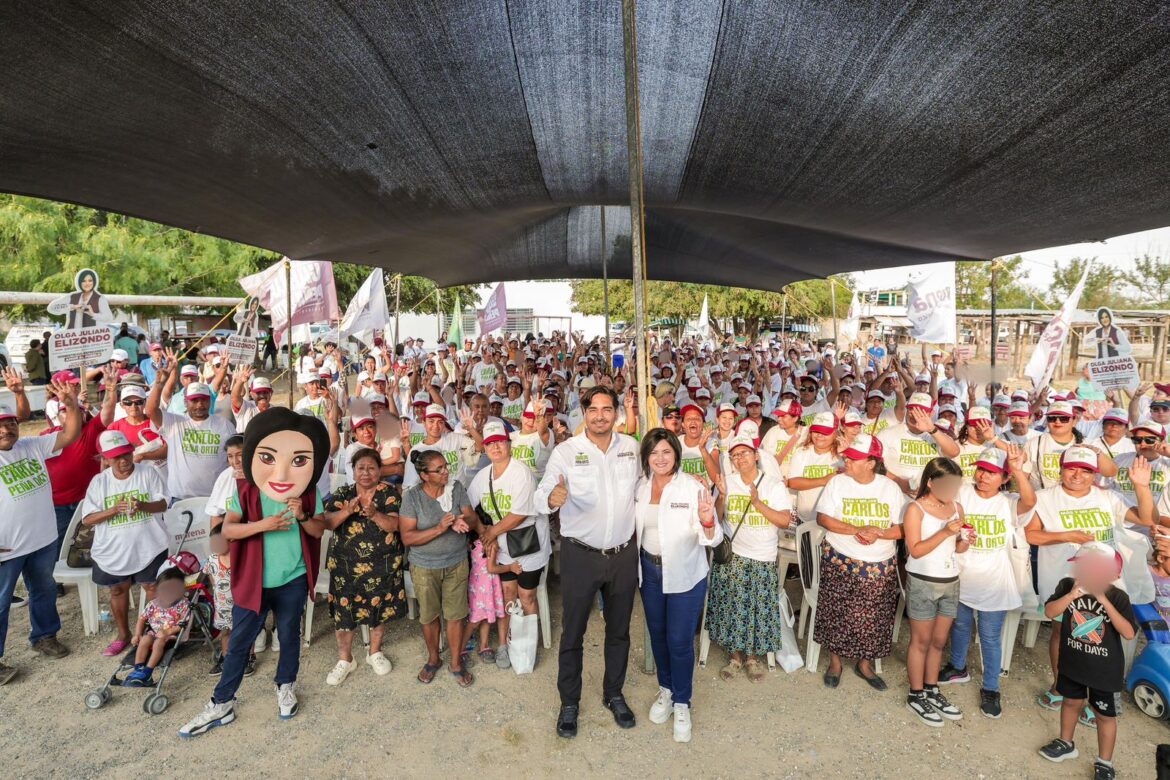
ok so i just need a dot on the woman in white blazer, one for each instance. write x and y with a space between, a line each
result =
675 519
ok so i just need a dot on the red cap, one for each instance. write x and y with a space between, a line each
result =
691 408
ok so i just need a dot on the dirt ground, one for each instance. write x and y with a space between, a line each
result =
788 726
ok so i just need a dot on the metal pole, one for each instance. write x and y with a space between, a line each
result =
397 308
637 206
292 374
784 317
994 322
637 232
605 290
833 297
439 313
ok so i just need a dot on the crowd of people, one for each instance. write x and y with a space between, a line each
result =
466 467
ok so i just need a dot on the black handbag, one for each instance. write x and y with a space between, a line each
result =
722 553
521 541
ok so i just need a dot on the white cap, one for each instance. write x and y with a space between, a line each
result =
725 407
921 400
978 413
493 431
197 390
119 354
189 370
131 391
752 399
363 376
260 384
1147 424
1116 415
741 440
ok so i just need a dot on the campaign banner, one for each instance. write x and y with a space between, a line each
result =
495 314
241 350
930 304
1115 373
77 347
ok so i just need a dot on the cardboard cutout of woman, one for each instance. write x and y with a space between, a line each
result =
273 523
1111 341
85 307
247 318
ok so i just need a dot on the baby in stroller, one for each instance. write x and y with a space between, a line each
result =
160 624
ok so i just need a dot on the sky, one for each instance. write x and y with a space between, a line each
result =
553 298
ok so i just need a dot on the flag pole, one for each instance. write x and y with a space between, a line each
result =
833 297
438 313
292 377
397 308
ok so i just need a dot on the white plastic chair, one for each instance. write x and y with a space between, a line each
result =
82 578
542 609
809 534
411 599
322 586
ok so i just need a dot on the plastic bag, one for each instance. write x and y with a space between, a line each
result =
523 632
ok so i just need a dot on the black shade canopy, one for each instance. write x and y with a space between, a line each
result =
475 140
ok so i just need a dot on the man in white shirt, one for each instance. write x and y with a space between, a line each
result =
28 531
196 441
590 478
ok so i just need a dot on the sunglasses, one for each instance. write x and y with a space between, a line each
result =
1147 440
1058 418
672 416
137 402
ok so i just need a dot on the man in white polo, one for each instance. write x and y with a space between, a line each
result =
196 441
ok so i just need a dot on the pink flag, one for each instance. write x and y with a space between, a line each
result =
495 314
314 295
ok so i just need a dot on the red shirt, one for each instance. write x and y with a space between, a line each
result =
71 469
133 432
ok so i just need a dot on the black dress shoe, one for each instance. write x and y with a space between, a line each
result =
875 682
567 721
622 715
832 680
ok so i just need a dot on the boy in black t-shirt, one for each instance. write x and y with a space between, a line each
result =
1093 616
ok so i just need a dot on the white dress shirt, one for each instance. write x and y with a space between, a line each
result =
599 511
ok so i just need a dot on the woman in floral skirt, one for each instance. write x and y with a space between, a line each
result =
365 563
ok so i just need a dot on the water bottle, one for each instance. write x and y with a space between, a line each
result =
105 621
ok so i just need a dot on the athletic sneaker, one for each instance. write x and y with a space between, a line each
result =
250 666
949 674
918 704
261 642
213 715
682 723
663 706
216 668
17 601
503 660
1103 771
274 645
1058 750
989 703
939 704
342 670
286 700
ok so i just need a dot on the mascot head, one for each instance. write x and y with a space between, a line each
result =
284 452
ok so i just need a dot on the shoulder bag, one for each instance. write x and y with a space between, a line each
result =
722 553
520 541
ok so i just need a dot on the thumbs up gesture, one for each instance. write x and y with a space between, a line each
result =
559 494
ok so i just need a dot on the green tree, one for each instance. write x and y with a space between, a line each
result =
1150 277
1102 287
973 284
43 244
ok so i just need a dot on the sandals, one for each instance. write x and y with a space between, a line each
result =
427 673
1050 701
463 677
755 670
487 655
1088 718
729 672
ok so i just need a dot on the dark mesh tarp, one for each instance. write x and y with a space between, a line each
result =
475 140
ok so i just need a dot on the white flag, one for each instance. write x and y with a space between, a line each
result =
314 296
703 326
367 313
930 304
1044 358
852 324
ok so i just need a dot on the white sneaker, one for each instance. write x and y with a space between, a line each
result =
682 723
660 710
275 646
380 663
286 700
261 641
342 670
213 715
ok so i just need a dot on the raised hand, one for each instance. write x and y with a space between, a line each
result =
559 494
1015 457
706 508
13 380
1140 471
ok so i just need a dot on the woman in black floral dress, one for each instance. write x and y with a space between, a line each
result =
365 563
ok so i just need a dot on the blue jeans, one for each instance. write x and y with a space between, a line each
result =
64 514
288 605
37 568
990 641
673 619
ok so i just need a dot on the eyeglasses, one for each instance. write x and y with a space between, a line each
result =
439 470
1147 440
1057 418
138 402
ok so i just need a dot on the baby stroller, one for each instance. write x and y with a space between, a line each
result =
199 620
1149 677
